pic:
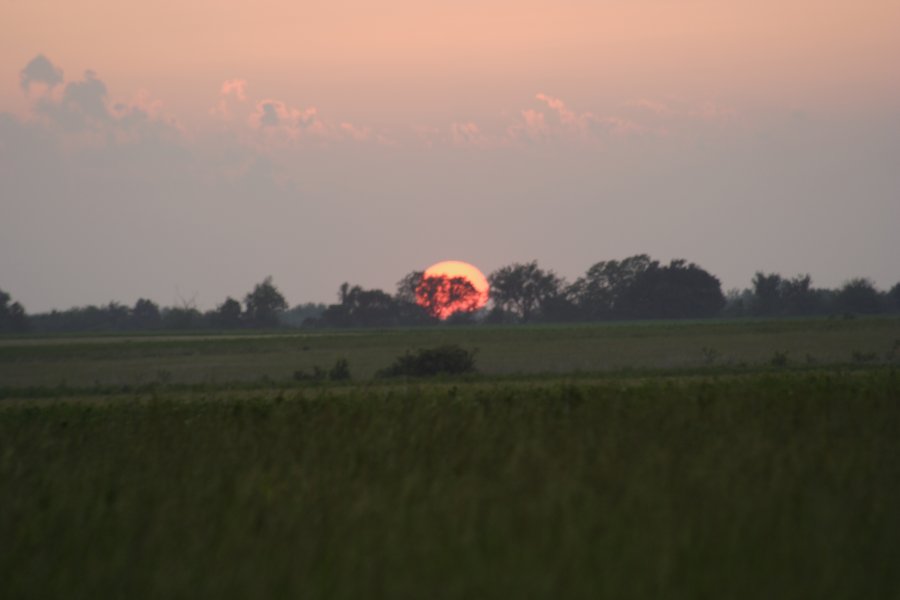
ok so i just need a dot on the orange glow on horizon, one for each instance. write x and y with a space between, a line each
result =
469 272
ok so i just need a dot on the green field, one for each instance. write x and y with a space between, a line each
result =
502 351
612 461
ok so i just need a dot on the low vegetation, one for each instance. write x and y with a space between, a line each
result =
741 459
771 485
429 362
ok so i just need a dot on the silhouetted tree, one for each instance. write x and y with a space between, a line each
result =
361 308
562 307
183 317
797 296
145 315
227 315
406 287
523 289
13 318
738 303
113 316
893 297
300 314
442 296
859 296
766 294
678 290
599 294
264 304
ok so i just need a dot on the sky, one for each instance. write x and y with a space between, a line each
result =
184 150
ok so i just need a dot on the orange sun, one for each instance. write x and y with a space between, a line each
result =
452 286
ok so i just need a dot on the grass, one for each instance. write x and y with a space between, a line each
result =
632 460
553 349
771 485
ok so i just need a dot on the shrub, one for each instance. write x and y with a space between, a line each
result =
779 359
450 359
317 374
340 371
864 357
710 355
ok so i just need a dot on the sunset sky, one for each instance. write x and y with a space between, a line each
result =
182 151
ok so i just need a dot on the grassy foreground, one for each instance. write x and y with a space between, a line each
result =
783 485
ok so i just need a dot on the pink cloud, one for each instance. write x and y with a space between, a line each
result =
566 116
232 90
360 134
467 134
534 125
236 88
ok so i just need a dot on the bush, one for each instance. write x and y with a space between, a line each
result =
339 372
450 359
779 359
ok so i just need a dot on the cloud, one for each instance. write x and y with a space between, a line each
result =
359 134
82 106
271 113
236 88
233 91
87 96
566 117
79 115
40 70
554 119
654 106
534 125
588 124
467 134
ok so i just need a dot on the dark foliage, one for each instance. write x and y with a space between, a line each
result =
227 315
340 371
676 291
524 290
13 318
264 305
442 296
297 316
450 359
640 288
893 298
359 307
775 296
859 296
636 287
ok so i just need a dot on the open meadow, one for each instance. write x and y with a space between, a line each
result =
81 361
632 460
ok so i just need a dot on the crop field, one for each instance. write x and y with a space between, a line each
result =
139 360
644 460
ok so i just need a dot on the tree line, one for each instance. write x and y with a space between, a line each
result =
636 287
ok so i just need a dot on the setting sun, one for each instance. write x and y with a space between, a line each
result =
442 298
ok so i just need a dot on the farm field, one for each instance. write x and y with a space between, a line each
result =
659 470
135 360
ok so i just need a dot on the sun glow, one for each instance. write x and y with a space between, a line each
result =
452 286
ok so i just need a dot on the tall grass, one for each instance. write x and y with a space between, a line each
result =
775 485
